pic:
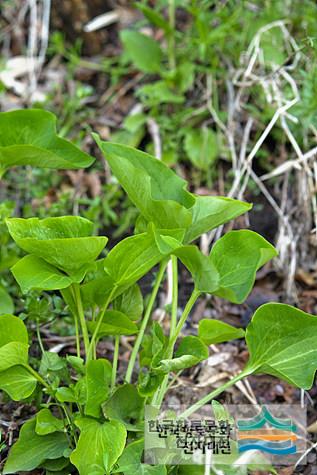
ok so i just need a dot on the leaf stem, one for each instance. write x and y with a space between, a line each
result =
195 407
188 307
160 393
145 320
171 35
91 349
37 376
174 295
81 316
115 362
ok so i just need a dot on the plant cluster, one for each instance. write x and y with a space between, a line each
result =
90 418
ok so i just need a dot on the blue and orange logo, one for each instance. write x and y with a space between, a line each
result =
267 433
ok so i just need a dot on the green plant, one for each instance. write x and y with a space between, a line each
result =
88 418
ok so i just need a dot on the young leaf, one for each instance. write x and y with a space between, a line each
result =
282 341
46 423
114 323
17 382
237 256
98 379
156 191
201 147
204 273
209 212
33 273
125 405
189 353
63 242
99 446
6 302
130 302
215 331
28 137
144 52
31 449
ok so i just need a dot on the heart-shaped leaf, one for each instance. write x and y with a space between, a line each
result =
282 341
155 190
237 256
63 242
215 331
17 382
99 446
114 323
23 457
28 137
33 273
189 353
161 195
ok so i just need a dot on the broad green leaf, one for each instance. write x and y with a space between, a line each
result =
98 379
12 329
6 302
215 331
133 257
125 405
209 212
114 323
46 423
63 242
237 256
189 353
13 342
204 273
156 191
65 394
130 462
13 353
31 449
144 52
28 137
99 446
201 147
33 273
17 382
161 196
130 302
282 341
